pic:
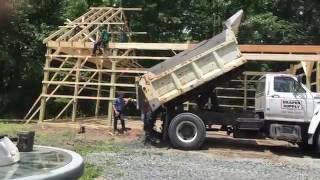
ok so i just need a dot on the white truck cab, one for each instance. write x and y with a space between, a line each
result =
282 98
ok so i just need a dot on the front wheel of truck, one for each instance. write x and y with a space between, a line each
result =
187 131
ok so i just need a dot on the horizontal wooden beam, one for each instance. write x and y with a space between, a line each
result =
77 97
249 48
247 56
88 83
81 97
299 49
280 57
152 46
86 23
132 71
234 89
113 45
125 9
109 57
234 97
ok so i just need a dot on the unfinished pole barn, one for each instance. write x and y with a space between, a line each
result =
72 74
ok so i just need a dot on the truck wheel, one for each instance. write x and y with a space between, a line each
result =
187 131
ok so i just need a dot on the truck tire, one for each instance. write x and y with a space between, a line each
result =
187 131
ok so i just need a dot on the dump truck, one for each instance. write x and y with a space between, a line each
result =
284 108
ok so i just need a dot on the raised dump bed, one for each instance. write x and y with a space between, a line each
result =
192 68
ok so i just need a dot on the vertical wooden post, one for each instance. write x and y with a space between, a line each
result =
245 93
292 69
318 76
44 90
307 68
76 89
99 67
112 88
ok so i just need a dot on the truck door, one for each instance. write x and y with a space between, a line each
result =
287 100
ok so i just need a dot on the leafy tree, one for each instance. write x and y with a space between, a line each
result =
269 29
22 52
76 8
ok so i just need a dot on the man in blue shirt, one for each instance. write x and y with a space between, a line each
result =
118 109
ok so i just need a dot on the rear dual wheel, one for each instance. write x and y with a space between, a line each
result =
187 131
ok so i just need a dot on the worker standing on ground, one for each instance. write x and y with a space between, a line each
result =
102 42
149 120
118 109
145 117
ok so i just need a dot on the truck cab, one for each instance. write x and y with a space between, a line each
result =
289 107
281 97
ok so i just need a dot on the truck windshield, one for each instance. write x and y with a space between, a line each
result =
287 84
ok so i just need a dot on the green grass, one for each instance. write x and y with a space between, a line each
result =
65 138
12 129
91 172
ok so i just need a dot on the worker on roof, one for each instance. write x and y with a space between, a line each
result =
102 42
123 38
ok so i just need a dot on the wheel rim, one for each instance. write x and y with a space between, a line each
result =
186 131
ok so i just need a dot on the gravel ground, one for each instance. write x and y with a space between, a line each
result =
143 162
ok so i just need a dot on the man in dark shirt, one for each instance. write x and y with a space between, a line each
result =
123 37
103 41
118 109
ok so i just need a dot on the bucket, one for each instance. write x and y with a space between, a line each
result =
25 141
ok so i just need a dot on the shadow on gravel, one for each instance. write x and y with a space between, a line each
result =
228 143
251 145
